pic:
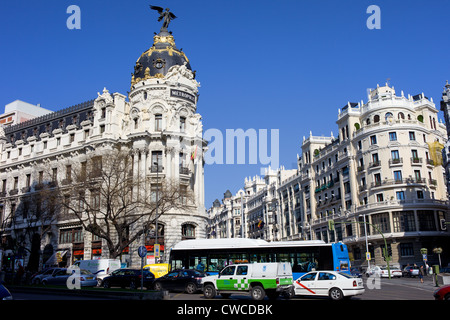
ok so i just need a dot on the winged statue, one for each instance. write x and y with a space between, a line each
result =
166 16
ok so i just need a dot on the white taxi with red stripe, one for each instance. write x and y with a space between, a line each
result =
335 285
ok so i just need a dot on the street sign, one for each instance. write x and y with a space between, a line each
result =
142 251
368 256
156 250
424 257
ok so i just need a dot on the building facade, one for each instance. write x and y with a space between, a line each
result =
382 173
158 123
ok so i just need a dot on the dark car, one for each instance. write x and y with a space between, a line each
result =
356 272
129 278
444 270
4 293
180 280
442 293
410 271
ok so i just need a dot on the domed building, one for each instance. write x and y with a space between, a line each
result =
159 126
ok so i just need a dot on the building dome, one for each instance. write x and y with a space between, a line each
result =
156 61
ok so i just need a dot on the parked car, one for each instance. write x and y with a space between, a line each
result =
129 278
335 285
180 280
410 271
4 293
37 277
60 277
444 270
395 272
355 272
373 270
100 267
443 293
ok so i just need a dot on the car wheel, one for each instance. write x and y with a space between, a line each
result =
447 296
132 285
257 293
209 291
191 288
336 294
44 283
157 286
106 284
99 282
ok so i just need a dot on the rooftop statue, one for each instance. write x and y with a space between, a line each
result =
166 16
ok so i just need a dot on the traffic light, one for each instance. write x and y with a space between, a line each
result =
331 225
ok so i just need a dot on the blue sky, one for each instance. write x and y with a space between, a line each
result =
286 65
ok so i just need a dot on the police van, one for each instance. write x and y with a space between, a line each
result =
258 279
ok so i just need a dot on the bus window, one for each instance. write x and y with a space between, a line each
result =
216 262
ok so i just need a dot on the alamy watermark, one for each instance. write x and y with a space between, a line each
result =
243 147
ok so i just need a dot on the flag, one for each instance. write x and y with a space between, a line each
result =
436 152
194 153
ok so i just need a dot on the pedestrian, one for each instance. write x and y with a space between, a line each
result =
421 274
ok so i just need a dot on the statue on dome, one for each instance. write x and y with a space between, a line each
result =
166 16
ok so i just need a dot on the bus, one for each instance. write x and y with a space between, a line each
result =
212 255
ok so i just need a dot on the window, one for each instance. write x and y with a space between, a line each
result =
406 249
398 176
377 179
412 135
426 220
419 194
400 195
392 136
156 161
182 124
72 137
395 156
381 221
326 276
373 140
242 270
102 129
188 231
158 122
379 197
417 176
404 221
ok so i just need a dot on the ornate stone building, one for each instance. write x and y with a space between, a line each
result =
157 121
384 168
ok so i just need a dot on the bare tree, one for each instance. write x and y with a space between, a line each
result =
115 203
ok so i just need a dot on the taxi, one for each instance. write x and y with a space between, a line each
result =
335 285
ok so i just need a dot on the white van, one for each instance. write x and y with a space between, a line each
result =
100 267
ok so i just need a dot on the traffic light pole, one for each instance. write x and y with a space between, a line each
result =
331 223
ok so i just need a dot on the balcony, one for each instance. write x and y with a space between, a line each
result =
393 182
184 170
416 161
394 162
375 164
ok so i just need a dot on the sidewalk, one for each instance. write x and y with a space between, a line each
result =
428 283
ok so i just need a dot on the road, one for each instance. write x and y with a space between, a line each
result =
388 289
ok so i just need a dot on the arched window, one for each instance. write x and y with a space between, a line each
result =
401 115
368 121
376 119
188 231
